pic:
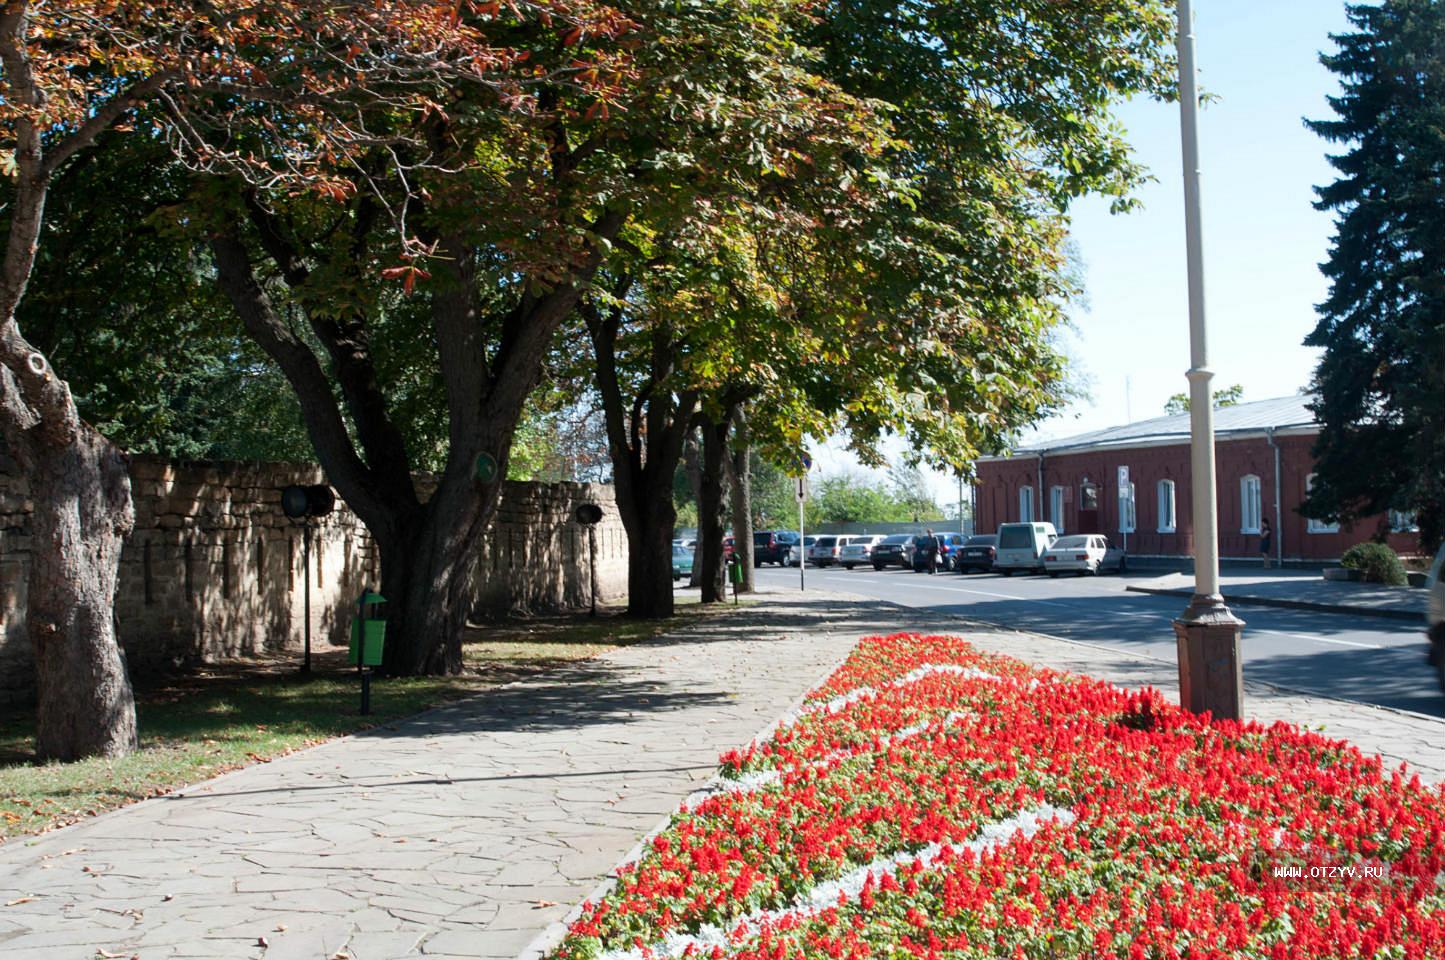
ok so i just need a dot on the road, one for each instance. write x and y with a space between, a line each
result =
1368 659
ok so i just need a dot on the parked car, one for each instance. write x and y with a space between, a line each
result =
825 550
681 562
1435 614
944 546
798 552
728 543
1021 546
858 551
977 554
771 546
890 550
1083 553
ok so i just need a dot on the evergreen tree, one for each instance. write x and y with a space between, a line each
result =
1380 385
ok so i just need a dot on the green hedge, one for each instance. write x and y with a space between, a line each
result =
1377 562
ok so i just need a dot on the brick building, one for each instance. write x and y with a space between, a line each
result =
1263 467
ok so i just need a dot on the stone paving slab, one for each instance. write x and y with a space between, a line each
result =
463 832
1302 590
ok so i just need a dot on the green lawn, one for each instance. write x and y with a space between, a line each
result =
197 725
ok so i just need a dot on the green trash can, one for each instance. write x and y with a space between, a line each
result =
368 630
735 570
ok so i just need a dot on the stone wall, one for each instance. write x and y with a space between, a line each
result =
214 568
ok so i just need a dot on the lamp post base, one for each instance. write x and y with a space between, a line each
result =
1210 676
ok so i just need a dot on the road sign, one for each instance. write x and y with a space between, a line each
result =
800 491
1123 477
487 468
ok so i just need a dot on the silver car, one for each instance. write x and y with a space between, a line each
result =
858 551
1081 554
825 550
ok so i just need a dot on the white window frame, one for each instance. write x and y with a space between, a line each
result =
1164 494
1128 509
1311 524
1251 503
1026 504
1056 509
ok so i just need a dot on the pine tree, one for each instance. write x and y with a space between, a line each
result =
1380 384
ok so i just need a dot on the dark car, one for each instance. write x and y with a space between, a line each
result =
945 546
977 554
889 551
772 546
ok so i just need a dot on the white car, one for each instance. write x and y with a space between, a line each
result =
1435 614
1081 554
858 551
825 550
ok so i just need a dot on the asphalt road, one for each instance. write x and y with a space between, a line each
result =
1369 659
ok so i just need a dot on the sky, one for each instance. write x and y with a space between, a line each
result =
1263 240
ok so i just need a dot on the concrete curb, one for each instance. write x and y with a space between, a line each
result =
552 936
1246 600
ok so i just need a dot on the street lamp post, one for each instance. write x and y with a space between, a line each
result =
1208 634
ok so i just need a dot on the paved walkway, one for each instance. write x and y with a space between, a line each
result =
462 833
473 831
1300 589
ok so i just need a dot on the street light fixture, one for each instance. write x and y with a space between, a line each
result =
1208 634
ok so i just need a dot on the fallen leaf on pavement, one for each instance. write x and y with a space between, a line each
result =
542 904
17 901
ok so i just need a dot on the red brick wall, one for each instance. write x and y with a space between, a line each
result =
1000 480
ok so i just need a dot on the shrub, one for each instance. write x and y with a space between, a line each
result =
1377 562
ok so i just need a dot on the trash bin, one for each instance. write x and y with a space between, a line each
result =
368 630
735 570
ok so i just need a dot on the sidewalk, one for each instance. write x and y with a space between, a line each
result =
473 831
1299 589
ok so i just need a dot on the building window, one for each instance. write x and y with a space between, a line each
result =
1026 504
1166 506
1056 508
1403 521
1317 526
1126 508
1249 504
1088 496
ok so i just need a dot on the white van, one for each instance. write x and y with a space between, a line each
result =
1021 546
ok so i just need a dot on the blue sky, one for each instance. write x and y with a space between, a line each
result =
1263 239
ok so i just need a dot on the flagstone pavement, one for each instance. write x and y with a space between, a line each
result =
473 830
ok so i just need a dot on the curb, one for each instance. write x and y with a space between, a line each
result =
1242 600
553 934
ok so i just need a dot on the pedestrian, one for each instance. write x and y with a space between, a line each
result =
932 552
1265 536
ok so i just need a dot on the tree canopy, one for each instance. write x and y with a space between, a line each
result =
1380 383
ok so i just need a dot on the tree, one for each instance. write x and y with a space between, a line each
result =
1179 403
1380 381
71 73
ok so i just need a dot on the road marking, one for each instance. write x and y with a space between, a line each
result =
1319 639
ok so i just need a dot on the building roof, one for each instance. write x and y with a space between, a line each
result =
1242 418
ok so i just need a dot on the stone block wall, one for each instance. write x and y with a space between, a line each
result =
214 568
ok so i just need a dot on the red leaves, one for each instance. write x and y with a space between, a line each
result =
408 274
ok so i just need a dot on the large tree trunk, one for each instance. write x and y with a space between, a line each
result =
649 560
692 464
741 495
710 511
82 513
79 482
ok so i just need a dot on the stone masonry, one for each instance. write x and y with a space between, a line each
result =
214 567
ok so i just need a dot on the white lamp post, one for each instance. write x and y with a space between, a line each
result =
1208 634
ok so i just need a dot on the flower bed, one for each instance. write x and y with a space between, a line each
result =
930 800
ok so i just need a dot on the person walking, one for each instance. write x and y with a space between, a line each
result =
932 552
1266 536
